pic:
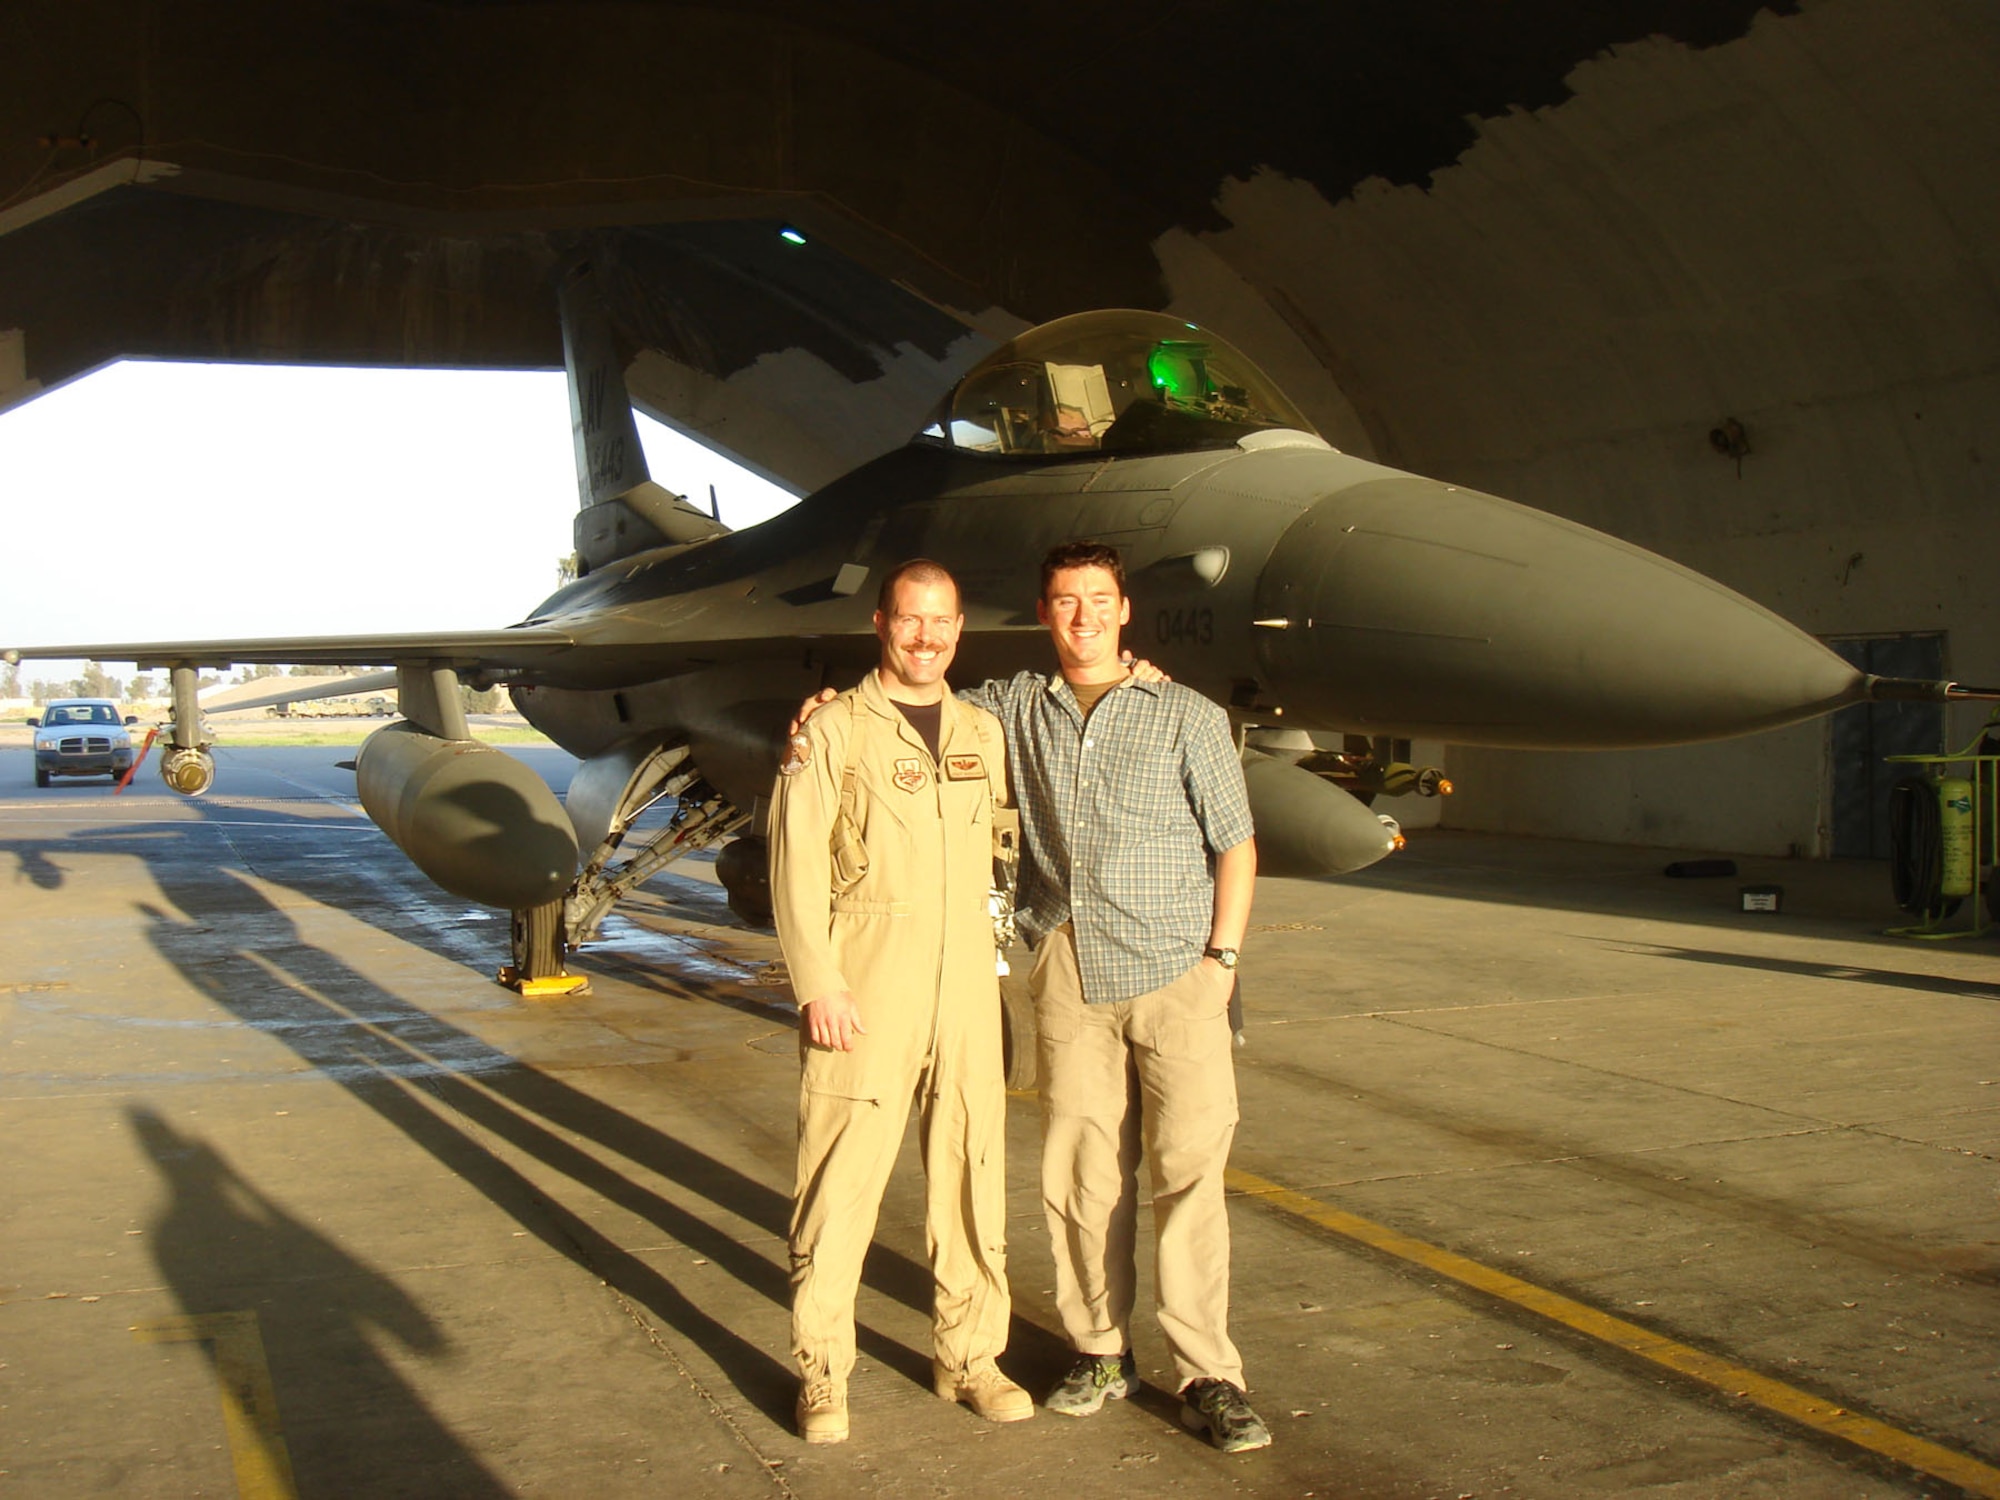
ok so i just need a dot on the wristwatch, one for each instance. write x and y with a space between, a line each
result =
1224 956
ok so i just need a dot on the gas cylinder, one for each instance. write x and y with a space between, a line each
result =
1955 835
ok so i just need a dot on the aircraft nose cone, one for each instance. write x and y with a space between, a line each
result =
1401 597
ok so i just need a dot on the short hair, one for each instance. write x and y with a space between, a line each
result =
1083 555
922 570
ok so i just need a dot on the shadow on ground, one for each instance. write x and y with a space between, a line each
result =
225 1248
431 1080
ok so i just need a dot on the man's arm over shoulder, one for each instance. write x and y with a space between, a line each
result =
999 695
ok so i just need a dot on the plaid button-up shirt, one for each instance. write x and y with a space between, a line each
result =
1122 816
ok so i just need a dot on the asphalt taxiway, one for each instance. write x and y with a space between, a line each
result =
1555 1178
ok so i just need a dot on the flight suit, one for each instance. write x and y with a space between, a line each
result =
912 941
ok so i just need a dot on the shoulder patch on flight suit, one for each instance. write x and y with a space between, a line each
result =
964 768
910 774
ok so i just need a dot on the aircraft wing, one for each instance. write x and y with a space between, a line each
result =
519 647
597 654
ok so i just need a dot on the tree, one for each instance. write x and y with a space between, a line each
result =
10 682
95 683
257 673
312 671
140 688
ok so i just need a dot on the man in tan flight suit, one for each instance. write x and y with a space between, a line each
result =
881 861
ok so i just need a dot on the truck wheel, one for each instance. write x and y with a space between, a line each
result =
1018 1042
41 777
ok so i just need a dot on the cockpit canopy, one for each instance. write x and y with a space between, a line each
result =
1120 382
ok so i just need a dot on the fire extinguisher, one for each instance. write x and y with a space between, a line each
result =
1955 836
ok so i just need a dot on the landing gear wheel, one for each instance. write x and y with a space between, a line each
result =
41 777
743 866
1018 1044
538 942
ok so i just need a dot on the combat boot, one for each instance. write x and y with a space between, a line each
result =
822 1410
981 1386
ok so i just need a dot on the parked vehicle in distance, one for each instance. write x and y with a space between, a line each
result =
82 737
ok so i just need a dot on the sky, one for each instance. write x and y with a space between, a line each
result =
155 501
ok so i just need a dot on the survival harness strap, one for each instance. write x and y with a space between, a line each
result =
850 855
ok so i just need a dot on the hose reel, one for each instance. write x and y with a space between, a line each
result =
1921 879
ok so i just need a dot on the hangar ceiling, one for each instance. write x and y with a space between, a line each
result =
395 182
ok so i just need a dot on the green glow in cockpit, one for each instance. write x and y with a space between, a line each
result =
1176 368
1120 381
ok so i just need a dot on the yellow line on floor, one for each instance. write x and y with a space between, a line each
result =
1969 1474
249 1405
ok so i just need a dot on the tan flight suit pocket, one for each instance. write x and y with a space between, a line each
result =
848 854
873 1075
832 1075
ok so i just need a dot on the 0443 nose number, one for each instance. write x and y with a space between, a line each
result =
1191 627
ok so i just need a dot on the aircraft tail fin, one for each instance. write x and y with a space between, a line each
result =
621 511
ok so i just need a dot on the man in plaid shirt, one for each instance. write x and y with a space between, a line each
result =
1136 880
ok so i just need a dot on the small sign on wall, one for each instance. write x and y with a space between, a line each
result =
1764 898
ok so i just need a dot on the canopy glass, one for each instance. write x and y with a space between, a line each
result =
1117 382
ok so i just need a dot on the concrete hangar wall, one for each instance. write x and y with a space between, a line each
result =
1798 231
1539 249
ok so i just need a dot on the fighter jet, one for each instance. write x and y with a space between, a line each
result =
1313 593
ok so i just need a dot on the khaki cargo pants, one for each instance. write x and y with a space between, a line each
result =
1154 1073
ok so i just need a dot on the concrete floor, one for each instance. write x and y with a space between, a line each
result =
253 1065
